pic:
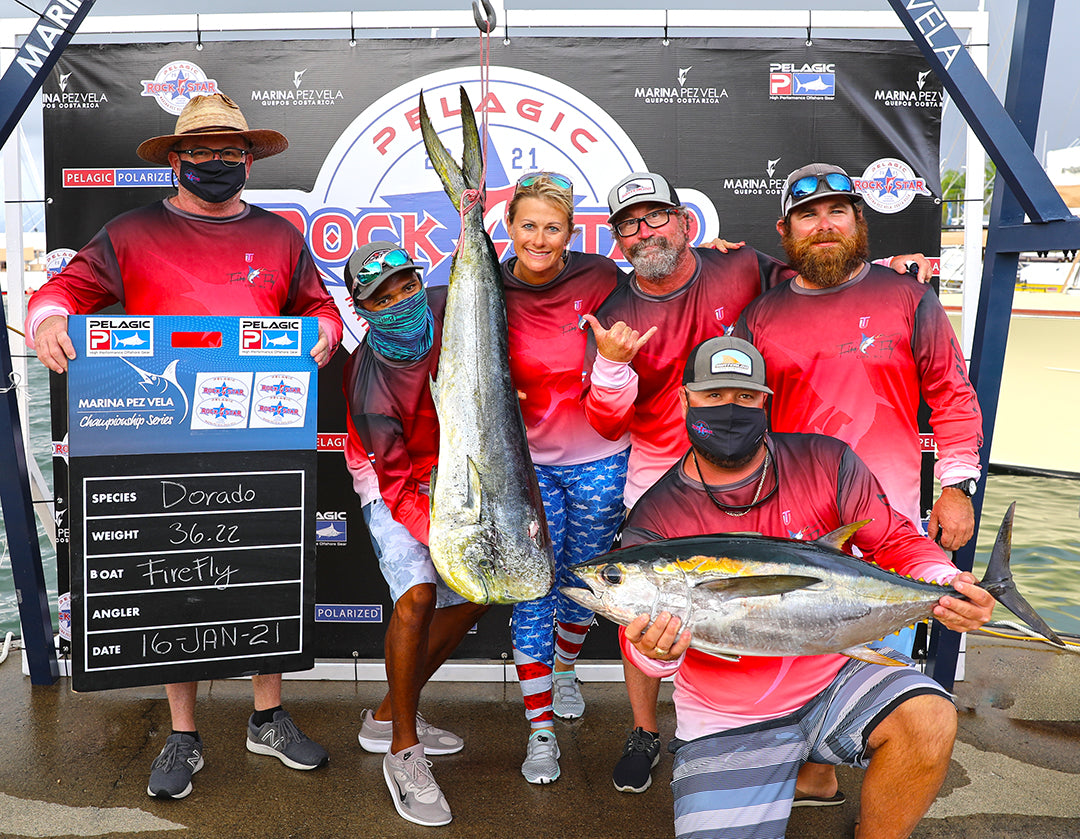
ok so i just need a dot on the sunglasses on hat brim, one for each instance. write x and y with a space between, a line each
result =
377 264
808 185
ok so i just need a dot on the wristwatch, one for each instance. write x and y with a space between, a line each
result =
966 486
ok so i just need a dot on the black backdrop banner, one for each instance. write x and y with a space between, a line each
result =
724 119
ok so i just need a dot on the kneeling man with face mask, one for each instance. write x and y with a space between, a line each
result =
775 713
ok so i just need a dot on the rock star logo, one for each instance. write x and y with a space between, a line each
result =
377 183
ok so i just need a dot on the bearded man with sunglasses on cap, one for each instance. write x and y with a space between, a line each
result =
393 425
203 251
677 297
851 348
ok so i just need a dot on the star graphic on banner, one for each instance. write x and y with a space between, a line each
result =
889 185
179 91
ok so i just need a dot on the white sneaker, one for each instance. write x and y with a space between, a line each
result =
376 736
416 795
541 764
567 701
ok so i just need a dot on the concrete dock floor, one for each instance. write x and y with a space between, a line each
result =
77 764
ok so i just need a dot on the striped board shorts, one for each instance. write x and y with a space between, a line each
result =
739 783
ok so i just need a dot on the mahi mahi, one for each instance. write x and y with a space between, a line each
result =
488 537
762 596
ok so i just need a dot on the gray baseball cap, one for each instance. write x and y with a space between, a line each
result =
385 258
637 188
811 182
725 362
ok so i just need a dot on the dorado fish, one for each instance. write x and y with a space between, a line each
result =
488 536
755 595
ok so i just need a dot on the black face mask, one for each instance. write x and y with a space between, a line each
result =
214 181
729 433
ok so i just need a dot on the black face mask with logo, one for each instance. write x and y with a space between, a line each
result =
214 181
728 432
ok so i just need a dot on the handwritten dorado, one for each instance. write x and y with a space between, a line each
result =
755 595
488 536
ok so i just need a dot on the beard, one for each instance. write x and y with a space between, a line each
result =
655 258
827 267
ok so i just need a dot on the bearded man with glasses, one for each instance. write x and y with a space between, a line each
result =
676 297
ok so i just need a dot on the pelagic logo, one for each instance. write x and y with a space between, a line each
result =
377 183
805 81
331 528
269 336
119 336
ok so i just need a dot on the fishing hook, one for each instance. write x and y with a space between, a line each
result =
486 26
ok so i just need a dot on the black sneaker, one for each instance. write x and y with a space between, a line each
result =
283 740
171 771
633 772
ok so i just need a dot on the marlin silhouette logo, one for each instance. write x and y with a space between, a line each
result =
682 74
770 167
922 79
160 381
298 77
63 81
815 85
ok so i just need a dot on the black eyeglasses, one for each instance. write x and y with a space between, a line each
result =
657 218
379 262
228 156
812 183
529 178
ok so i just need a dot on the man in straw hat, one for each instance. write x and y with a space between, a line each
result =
203 251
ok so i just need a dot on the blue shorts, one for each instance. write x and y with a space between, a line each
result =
739 784
404 561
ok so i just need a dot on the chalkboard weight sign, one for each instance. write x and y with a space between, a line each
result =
192 492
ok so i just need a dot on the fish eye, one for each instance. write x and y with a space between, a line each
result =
611 574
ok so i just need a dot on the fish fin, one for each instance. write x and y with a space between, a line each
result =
761 586
871 656
449 172
431 482
433 386
471 507
725 656
839 537
998 580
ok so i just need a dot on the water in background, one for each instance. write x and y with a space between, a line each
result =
1045 553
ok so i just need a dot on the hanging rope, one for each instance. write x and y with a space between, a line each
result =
486 24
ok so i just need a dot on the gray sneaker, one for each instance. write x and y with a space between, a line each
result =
567 701
171 771
376 736
416 795
541 764
283 740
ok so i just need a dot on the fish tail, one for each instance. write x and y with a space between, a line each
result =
998 580
472 156
453 180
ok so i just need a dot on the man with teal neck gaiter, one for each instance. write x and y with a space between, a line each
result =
393 424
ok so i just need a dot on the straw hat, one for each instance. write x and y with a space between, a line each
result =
213 116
